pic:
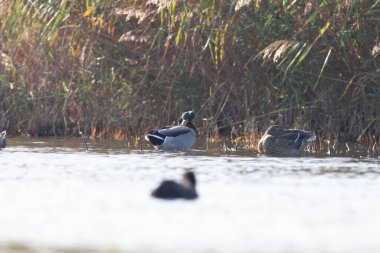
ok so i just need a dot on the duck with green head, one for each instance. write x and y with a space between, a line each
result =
181 137
278 141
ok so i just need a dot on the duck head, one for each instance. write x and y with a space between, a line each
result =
189 116
186 117
189 179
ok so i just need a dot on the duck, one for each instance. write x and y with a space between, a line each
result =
171 190
278 141
3 141
180 137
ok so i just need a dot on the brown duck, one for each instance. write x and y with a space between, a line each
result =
278 141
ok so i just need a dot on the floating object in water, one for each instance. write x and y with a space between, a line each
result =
284 142
169 189
180 137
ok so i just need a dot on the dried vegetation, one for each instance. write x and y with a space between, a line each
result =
117 68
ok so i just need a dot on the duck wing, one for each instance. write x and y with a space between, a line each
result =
295 136
174 131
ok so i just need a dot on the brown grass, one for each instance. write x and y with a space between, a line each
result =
117 68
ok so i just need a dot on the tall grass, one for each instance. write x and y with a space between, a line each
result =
117 68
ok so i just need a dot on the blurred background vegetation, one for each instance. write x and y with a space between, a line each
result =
117 68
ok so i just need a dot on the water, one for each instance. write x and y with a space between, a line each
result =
54 195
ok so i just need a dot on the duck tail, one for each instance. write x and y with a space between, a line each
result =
304 137
311 137
155 138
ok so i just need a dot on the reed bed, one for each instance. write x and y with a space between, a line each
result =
117 68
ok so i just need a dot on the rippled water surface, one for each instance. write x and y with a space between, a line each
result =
55 195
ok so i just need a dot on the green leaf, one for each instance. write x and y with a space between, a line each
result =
323 30
323 67
348 85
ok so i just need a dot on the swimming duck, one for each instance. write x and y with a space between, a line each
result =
284 142
3 141
169 189
180 137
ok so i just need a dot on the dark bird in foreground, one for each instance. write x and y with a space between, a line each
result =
169 189
278 141
3 141
181 137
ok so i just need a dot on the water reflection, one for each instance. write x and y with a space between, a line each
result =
355 150
100 199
